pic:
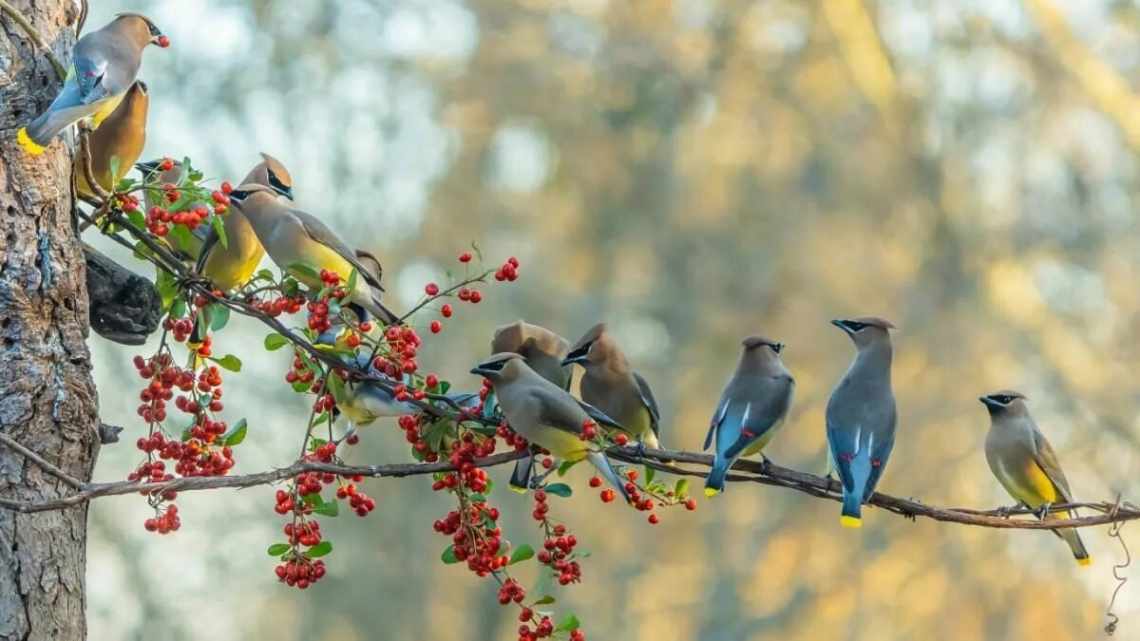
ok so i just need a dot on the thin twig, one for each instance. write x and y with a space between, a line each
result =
45 465
1114 532
35 37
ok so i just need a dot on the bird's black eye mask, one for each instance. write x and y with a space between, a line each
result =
581 352
494 366
277 185
238 195
854 326
1004 399
152 28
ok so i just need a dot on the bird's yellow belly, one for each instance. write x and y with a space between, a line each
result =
563 444
1030 485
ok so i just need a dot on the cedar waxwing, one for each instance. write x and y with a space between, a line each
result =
364 401
232 265
861 415
121 137
103 66
610 385
1026 466
544 413
294 236
753 406
543 351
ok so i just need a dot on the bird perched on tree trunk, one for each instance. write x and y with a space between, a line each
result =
103 66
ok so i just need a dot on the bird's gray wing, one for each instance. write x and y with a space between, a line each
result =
558 409
208 242
649 402
1046 459
764 412
320 232
599 416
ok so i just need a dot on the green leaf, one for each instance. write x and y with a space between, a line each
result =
319 550
219 315
351 285
289 287
220 230
649 474
304 271
178 309
315 443
275 341
300 387
559 489
228 362
167 286
448 555
546 600
138 221
327 508
444 386
681 489
545 583
565 467
236 434
477 498
521 553
264 274
114 164
436 433
336 387
569 624
277 549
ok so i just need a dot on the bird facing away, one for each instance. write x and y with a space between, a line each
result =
544 413
291 236
752 407
613 387
103 66
365 401
119 141
1025 464
543 351
861 415
231 265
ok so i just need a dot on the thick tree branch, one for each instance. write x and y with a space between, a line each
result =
744 471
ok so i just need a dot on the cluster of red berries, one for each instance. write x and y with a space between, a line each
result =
274 307
470 295
510 590
164 523
306 533
158 219
475 537
127 202
300 572
558 547
403 344
163 376
509 270
194 457
181 328
509 436
360 502
589 430
463 454
299 372
410 424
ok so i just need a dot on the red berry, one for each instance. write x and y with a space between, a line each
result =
445 311
431 289
227 187
436 327
474 296
465 257
607 495
691 504
595 481
431 381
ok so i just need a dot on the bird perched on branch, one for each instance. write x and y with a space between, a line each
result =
543 351
610 385
753 406
861 415
295 238
103 66
544 413
232 264
116 144
1025 464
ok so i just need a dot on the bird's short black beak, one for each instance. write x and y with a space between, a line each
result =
479 370
147 167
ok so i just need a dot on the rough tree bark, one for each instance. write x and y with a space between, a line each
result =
47 395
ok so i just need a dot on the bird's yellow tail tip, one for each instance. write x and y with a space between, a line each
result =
711 492
517 490
1085 561
851 521
27 144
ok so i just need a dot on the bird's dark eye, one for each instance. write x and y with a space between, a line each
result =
1005 399
238 195
856 325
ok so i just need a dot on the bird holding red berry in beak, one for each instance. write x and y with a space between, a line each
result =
103 67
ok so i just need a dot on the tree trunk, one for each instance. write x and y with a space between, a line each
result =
47 395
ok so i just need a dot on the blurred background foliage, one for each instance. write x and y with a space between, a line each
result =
691 172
